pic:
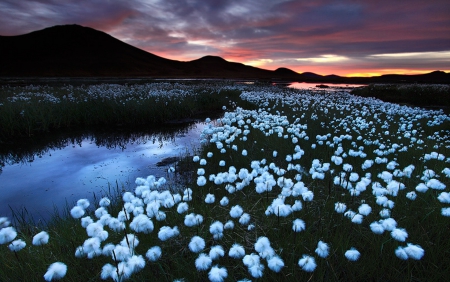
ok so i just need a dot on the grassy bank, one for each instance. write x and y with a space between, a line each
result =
27 111
421 95
303 187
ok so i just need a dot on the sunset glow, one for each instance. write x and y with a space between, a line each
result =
347 38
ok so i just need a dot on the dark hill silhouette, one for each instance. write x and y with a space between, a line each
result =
76 51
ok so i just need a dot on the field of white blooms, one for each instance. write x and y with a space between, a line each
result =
303 186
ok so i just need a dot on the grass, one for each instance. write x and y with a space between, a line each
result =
420 95
27 111
280 120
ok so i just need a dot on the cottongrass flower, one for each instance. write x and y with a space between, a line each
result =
217 274
308 196
41 238
104 202
414 251
201 180
193 219
389 224
357 218
307 263
364 209
109 271
298 225
399 234
56 270
142 223
244 219
229 225
7 234
203 262
216 229
352 254
96 230
244 152
275 263
224 201
340 207
444 198
236 211
210 198
421 187
411 195
197 244
216 252
182 207
83 203
202 162
154 253
256 270
136 263
222 163
445 211
17 245
166 232
401 253
4 222
376 227
77 212
322 249
236 251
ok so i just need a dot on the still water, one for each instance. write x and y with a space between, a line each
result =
43 175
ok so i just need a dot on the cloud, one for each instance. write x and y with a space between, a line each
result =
303 33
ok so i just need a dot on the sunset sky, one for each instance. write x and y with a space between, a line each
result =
347 38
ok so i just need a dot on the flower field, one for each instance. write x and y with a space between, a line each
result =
289 185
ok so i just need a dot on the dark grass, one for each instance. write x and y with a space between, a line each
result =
421 218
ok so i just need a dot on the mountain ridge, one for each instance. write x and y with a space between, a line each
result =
77 51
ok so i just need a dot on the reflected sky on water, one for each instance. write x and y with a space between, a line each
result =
78 167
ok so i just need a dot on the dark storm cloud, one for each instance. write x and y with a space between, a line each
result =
250 30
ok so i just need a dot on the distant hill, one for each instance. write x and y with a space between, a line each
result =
76 51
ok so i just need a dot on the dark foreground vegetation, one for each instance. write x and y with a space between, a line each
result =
27 111
421 95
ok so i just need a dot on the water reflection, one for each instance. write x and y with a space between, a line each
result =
47 172
323 86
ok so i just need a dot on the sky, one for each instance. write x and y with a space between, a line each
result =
346 37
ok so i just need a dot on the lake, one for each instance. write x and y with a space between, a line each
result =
45 174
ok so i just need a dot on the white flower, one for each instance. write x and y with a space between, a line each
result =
41 238
307 263
142 223
154 253
236 211
210 198
364 209
56 270
77 212
7 234
104 202
236 251
197 244
201 180
244 219
399 234
414 251
203 262
376 227
298 225
224 201
216 252
83 203
17 245
352 254
217 274
275 263
340 207
166 233
322 249
401 254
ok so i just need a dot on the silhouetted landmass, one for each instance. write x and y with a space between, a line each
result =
76 51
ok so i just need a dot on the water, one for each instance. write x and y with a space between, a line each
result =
331 86
45 174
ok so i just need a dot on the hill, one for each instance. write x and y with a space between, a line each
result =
76 51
